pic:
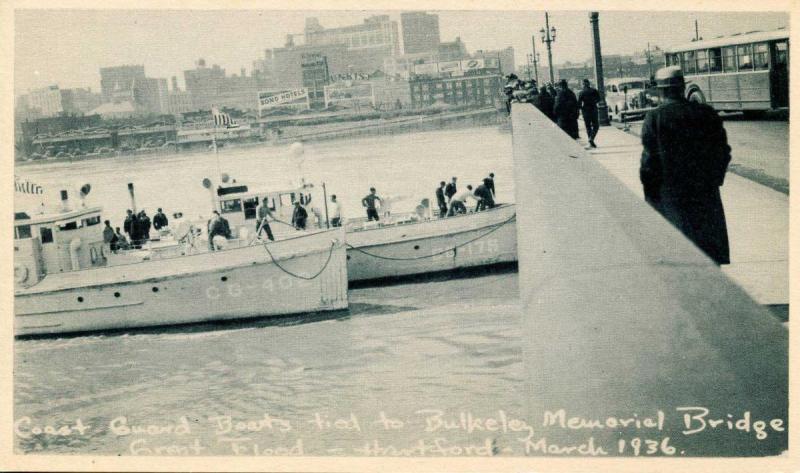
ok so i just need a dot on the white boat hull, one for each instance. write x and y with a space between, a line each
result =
474 239
231 284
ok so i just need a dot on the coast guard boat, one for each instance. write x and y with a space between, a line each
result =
399 244
66 279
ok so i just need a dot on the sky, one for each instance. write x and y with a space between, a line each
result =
68 47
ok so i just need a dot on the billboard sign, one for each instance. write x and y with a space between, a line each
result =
295 98
349 95
427 69
450 66
472 64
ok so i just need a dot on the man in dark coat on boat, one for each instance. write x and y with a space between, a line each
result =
160 220
144 222
219 229
450 190
685 157
127 226
566 110
441 200
299 216
484 195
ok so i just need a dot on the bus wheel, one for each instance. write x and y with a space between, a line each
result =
697 96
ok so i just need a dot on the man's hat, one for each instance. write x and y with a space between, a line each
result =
669 77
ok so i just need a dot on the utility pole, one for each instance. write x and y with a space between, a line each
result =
649 62
549 37
696 31
602 107
535 59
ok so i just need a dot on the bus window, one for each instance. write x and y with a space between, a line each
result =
761 56
728 59
689 63
702 62
745 54
715 60
46 234
230 206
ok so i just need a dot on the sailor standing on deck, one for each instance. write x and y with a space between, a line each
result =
299 216
262 222
451 189
160 220
369 203
440 200
335 212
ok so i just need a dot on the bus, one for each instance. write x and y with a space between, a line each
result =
747 72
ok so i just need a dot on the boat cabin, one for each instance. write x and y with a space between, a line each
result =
57 242
239 203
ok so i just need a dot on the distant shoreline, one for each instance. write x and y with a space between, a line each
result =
317 132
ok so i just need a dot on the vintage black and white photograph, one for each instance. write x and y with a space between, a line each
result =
398 232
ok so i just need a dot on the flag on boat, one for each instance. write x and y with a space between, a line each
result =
222 118
25 186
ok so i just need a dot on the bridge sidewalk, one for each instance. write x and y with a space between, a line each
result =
758 218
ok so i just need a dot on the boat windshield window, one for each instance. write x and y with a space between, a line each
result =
230 206
88 222
46 234
22 231
287 199
68 226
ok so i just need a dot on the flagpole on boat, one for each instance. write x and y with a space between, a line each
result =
325 198
216 150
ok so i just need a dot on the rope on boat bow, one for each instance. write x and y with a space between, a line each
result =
495 227
300 276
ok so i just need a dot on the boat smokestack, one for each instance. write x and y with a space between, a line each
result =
64 201
133 196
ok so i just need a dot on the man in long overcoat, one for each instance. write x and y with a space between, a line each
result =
566 110
685 157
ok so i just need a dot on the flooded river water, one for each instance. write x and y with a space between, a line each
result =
406 370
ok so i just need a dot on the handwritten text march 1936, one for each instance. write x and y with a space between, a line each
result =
425 432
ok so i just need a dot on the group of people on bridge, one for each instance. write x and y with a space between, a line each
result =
560 105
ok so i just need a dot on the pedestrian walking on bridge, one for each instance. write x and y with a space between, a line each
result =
684 160
566 110
588 98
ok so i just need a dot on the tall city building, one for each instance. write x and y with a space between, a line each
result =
204 84
504 56
368 43
117 82
452 50
46 101
420 32
315 77
151 95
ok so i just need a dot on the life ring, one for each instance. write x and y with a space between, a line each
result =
21 273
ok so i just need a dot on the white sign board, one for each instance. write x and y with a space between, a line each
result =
285 98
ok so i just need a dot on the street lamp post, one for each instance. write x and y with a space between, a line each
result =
549 37
535 57
529 65
602 107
